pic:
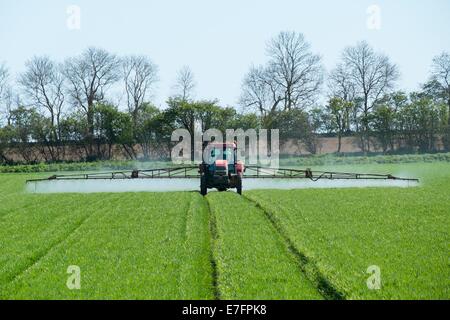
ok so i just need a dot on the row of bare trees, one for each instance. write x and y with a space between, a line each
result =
293 76
77 85
53 104
363 100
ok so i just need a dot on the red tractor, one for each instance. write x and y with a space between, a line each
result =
220 168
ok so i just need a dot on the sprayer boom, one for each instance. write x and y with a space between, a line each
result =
280 173
254 172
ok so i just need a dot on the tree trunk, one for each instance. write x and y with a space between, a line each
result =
339 142
192 132
131 154
366 125
90 131
135 117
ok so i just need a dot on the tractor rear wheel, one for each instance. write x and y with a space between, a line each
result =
203 188
239 184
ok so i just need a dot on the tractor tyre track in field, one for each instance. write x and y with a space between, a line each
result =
323 285
213 259
250 259
186 217
56 243
196 244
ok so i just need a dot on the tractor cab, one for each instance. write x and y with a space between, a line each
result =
221 157
221 152
220 168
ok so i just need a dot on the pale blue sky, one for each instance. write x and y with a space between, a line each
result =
219 40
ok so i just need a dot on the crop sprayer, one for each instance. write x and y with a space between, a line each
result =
220 169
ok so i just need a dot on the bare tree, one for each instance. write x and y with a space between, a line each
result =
373 75
440 74
9 99
185 83
139 75
261 93
89 76
291 78
295 69
43 85
4 76
340 85
4 90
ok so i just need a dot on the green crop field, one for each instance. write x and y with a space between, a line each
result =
267 244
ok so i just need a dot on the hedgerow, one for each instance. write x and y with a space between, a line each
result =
315 160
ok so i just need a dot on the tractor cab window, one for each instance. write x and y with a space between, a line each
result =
221 154
215 154
229 155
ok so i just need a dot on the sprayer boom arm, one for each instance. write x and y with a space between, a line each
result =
251 172
264 172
